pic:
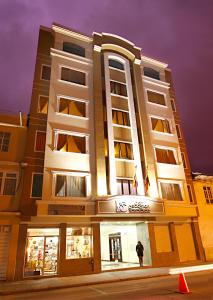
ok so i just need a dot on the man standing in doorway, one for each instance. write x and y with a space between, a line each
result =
139 250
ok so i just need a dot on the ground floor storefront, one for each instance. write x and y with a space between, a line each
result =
94 245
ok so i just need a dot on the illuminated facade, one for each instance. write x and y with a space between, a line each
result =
106 163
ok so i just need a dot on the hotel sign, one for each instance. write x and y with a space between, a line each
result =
130 205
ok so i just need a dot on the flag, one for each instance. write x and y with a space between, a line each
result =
147 183
135 182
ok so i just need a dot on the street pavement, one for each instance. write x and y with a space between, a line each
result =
158 288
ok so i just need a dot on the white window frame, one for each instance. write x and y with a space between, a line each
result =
77 174
36 139
175 151
31 189
78 134
5 172
39 96
120 60
181 184
73 99
42 70
161 118
157 92
73 83
117 95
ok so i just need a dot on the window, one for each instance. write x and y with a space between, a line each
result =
156 98
190 193
173 105
123 150
120 118
116 64
171 191
149 72
73 76
165 156
161 125
4 141
74 49
178 131
40 141
208 194
78 242
126 187
70 186
37 183
72 107
8 183
45 72
42 104
71 143
183 160
118 88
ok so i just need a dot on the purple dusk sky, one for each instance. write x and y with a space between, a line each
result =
179 32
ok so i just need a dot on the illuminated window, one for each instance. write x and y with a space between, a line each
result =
171 191
116 64
72 107
149 72
161 125
45 72
70 143
156 98
208 194
8 183
78 242
123 150
165 156
73 76
70 186
126 187
43 104
118 88
74 49
120 118
40 141
4 141
37 183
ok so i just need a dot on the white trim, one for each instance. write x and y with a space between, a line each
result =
156 92
137 61
36 139
70 56
156 82
4 173
71 33
121 126
115 69
154 62
97 48
179 182
74 69
116 95
12 125
118 37
31 187
42 65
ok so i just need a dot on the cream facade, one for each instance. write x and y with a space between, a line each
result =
106 166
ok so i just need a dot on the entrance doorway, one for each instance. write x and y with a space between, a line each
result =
41 252
115 250
118 244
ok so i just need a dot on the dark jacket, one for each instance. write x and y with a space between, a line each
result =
139 249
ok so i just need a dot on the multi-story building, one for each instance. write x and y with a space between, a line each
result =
203 187
13 133
106 163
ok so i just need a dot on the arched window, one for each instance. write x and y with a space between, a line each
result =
116 64
151 73
74 49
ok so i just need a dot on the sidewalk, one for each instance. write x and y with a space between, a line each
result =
26 286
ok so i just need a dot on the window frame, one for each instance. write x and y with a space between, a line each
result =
4 173
70 82
71 43
2 144
32 176
86 102
180 183
163 119
175 153
130 180
132 150
122 111
208 200
118 95
157 92
49 66
39 97
78 134
77 174
36 140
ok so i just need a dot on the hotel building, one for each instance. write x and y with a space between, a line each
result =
105 163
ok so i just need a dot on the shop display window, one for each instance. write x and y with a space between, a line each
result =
79 242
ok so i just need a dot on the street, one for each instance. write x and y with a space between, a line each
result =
200 285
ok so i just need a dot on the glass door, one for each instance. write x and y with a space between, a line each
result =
115 249
50 255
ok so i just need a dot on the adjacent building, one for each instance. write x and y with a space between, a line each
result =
105 161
